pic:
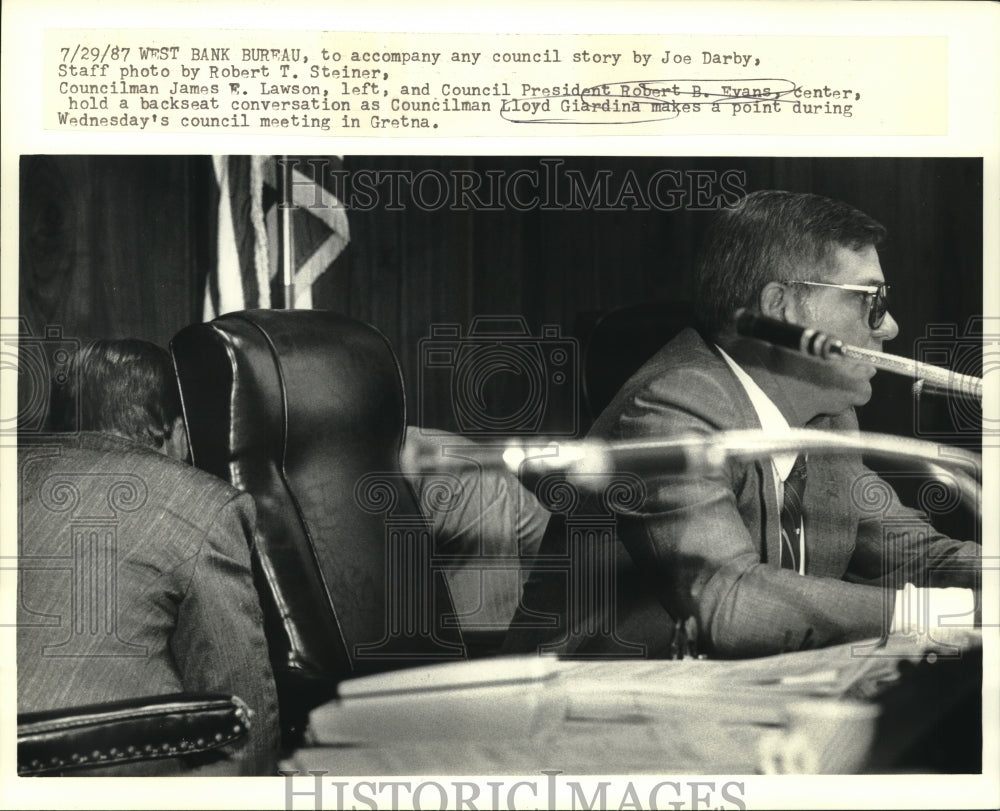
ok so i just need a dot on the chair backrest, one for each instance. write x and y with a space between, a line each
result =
305 410
622 340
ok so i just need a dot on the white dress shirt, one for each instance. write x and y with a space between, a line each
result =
772 421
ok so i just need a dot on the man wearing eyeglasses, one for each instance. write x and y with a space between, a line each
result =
776 555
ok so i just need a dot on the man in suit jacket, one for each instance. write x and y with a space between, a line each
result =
134 572
702 556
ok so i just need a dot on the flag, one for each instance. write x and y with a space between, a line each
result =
250 269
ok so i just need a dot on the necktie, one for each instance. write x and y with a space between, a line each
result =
791 514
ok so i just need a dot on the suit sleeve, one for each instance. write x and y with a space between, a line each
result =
896 545
219 642
705 564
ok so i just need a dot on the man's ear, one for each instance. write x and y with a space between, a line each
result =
176 444
775 301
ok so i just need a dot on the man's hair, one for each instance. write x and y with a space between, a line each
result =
125 387
769 236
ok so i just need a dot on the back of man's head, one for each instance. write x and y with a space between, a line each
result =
123 387
770 236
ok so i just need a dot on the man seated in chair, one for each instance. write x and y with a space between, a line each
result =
770 556
134 570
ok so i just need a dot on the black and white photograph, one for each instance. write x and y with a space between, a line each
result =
479 477
362 343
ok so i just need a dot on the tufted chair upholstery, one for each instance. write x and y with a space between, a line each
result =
305 410
139 737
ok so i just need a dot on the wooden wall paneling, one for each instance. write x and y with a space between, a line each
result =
108 247
53 201
120 245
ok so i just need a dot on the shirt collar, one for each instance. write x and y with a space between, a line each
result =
106 441
772 421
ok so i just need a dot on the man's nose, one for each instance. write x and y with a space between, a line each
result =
888 329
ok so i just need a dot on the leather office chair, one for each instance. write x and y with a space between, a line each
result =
305 410
619 341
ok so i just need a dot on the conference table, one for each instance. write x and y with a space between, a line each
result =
853 708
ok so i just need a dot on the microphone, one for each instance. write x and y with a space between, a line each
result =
932 379
591 462
780 333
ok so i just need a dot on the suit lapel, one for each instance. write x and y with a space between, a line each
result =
831 520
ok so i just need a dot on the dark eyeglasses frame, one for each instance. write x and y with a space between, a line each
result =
878 306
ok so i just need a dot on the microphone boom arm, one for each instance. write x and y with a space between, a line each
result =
588 463
937 377
820 345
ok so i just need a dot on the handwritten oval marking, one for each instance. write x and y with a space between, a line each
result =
641 100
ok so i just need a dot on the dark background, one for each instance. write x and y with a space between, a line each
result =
116 246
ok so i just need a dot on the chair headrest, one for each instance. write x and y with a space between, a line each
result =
301 408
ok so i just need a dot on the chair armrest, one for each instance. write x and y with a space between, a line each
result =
137 729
